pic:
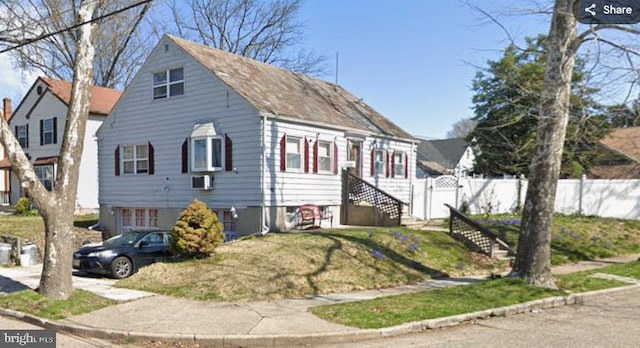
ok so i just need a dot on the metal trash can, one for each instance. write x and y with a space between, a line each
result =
29 255
5 253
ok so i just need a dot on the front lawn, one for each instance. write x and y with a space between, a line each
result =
308 263
29 301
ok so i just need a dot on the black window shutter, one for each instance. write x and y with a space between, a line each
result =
152 166
15 131
185 156
41 132
26 145
117 160
55 130
283 153
228 153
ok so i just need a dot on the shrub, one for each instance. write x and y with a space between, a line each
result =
197 232
23 206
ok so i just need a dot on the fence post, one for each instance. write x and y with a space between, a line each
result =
427 199
581 193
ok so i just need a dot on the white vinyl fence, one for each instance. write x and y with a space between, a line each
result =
605 198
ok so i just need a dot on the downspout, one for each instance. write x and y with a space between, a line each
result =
263 214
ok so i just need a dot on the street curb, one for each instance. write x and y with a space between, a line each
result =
318 338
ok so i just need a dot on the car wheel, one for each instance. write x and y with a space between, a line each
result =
121 267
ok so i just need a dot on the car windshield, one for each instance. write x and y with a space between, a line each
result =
126 238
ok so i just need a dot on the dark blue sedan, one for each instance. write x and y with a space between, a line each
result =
124 254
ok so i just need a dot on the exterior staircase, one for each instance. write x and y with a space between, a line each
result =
366 205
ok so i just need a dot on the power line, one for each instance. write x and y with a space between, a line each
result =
75 26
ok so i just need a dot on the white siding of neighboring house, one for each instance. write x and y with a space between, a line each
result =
50 106
137 119
466 163
294 188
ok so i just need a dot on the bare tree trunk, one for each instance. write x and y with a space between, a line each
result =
533 258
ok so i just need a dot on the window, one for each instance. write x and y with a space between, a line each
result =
22 135
207 153
139 218
168 83
48 131
398 164
324 156
228 222
126 217
135 159
379 162
294 153
155 239
45 174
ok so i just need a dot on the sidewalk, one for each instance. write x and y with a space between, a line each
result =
265 323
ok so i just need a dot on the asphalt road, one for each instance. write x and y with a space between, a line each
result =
610 321
62 341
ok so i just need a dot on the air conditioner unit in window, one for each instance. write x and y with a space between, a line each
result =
203 182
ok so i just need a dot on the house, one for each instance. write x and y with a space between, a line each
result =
621 158
252 141
39 124
5 183
444 157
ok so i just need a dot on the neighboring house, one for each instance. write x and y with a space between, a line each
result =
39 124
444 157
249 139
5 178
622 160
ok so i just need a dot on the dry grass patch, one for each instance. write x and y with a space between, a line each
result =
308 263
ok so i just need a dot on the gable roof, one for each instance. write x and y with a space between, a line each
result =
281 92
102 98
625 141
441 154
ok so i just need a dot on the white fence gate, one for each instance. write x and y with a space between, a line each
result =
606 198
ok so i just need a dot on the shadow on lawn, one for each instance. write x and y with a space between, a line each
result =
371 245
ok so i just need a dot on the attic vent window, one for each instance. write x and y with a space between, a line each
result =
168 83
39 90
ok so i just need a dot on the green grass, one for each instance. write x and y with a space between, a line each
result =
396 310
577 238
29 301
308 263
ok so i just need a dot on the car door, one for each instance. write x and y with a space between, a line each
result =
151 248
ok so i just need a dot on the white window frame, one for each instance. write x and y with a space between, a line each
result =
398 163
41 174
208 165
329 145
146 218
379 166
22 138
136 160
290 141
166 83
45 132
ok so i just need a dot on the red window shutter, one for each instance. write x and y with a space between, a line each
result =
117 160
406 166
373 161
152 165
386 163
393 164
315 157
335 158
185 156
228 153
283 153
306 155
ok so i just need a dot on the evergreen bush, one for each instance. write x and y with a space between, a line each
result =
197 232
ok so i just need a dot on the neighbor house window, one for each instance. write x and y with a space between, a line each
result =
21 134
379 162
126 217
324 156
48 131
294 153
398 164
45 174
139 218
153 218
135 159
207 153
168 83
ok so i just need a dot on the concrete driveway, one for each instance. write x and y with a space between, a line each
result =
14 279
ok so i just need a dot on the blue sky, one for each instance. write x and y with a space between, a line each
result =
412 60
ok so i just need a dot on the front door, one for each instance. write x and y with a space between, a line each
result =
354 153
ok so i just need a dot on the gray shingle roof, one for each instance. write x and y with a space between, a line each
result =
282 92
445 153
